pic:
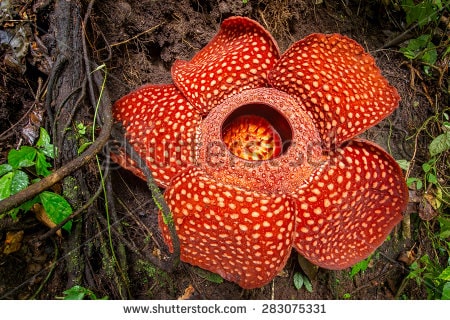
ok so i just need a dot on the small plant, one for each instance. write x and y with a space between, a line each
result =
421 49
83 131
80 293
360 266
425 13
32 162
433 170
429 273
301 280
154 276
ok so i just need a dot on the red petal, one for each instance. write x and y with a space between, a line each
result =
237 58
338 82
350 207
244 236
160 124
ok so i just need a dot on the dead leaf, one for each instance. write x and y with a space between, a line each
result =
13 241
433 199
31 130
188 292
426 210
157 253
407 257
283 274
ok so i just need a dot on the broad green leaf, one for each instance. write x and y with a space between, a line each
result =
42 165
420 47
57 208
444 224
440 144
44 144
5 185
24 157
421 12
430 55
19 181
5 168
446 291
298 280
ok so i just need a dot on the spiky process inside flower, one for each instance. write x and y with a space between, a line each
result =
252 137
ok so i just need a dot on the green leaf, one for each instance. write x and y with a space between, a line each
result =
404 164
430 55
447 51
445 274
42 165
415 46
298 280
417 181
210 276
79 293
24 157
360 267
81 128
19 181
444 224
75 293
5 168
44 144
421 12
432 178
83 147
446 291
440 144
308 284
426 167
57 208
5 185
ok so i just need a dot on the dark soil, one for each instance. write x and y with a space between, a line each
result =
138 41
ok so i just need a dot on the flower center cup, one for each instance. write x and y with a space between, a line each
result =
260 139
256 132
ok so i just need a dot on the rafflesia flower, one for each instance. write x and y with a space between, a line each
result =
257 153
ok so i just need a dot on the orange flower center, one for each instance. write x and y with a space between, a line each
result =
252 137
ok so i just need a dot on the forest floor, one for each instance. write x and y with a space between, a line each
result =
138 41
